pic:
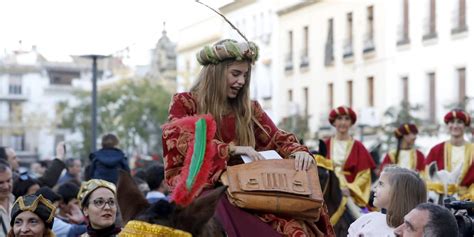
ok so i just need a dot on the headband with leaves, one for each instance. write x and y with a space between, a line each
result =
227 49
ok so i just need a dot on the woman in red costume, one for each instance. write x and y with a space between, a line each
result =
352 161
455 154
406 155
243 128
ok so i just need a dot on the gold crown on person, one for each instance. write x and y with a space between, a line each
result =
91 185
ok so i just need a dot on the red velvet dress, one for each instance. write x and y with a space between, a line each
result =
175 146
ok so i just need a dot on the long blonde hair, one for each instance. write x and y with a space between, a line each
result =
210 90
406 192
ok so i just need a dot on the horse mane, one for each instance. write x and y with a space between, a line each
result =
195 218
332 194
130 199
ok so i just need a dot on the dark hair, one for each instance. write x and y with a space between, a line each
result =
109 141
4 165
85 202
43 164
140 173
441 221
22 184
69 163
48 193
399 146
3 153
154 176
68 191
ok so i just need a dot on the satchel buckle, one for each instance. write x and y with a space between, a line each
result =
252 181
298 186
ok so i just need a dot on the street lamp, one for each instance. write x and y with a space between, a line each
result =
94 58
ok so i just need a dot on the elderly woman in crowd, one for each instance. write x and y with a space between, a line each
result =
99 205
32 216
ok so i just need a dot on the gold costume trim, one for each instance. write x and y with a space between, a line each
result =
140 228
360 188
340 210
34 205
466 193
91 185
323 162
439 188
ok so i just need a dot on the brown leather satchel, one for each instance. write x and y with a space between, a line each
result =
274 186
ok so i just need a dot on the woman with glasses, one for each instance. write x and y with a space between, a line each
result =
99 205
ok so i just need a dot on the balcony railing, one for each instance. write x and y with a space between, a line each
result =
289 61
329 54
403 36
458 22
369 44
14 96
304 58
348 50
429 29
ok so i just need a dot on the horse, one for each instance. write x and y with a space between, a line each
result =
341 216
448 181
196 218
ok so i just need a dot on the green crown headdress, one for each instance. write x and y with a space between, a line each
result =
227 49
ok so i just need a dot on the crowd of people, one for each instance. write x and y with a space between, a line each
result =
67 199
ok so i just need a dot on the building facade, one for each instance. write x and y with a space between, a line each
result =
372 55
257 20
193 38
31 90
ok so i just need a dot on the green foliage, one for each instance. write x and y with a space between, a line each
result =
397 115
404 113
132 109
296 124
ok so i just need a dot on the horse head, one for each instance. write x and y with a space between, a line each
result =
445 178
196 218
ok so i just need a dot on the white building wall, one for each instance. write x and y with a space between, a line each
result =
442 55
258 22
39 100
191 39
388 64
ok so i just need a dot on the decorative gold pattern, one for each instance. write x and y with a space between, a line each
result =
32 207
140 228
91 185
